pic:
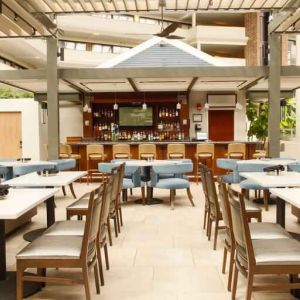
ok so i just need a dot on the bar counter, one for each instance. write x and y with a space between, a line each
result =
161 149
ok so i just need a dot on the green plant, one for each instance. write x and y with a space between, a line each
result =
257 115
9 93
288 121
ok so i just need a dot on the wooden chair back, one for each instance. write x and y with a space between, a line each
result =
237 149
212 194
94 149
147 150
121 151
205 148
176 151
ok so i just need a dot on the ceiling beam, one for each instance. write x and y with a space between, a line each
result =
133 85
192 83
277 20
22 74
161 72
16 86
249 83
74 86
290 21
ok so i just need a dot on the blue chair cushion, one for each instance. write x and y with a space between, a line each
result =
172 183
294 167
231 178
64 164
249 184
227 163
128 183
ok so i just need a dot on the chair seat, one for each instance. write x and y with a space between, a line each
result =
75 156
172 183
235 154
266 231
96 156
260 154
62 155
231 178
66 228
52 247
175 155
251 207
121 156
249 184
147 155
127 183
82 203
204 155
276 252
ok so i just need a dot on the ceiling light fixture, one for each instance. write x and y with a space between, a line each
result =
144 106
116 106
206 105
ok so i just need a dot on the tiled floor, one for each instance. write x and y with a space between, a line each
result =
159 255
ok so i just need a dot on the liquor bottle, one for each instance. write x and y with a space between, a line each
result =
176 113
167 113
163 113
159 113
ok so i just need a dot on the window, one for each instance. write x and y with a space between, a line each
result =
117 49
292 52
69 45
80 46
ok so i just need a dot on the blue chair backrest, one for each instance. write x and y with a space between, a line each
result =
22 170
295 166
64 164
227 163
107 167
253 167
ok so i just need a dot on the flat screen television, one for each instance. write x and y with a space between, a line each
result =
135 116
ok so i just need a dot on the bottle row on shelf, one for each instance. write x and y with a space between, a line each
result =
165 112
140 136
104 113
168 126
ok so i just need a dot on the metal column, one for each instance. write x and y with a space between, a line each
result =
52 99
274 95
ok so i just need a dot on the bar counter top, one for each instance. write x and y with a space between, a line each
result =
187 142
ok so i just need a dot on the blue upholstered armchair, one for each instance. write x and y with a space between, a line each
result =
178 181
229 164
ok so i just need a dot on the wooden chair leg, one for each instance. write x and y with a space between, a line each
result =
120 215
216 233
109 231
224 260
197 172
106 256
100 264
42 272
231 264
190 196
96 274
249 285
86 283
19 283
130 192
72 190
143 195
88 171
116 226
118 221
172 199
235 280
209 230
266 196
64 190
205 217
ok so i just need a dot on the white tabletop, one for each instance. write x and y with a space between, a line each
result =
15 163
267 161
19 201
35 180
284 179
291 196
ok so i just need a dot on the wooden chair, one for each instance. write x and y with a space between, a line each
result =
175 151
63 252
261 257
121 151
236 151
258 230
75 156
203 170
205 153
94 153
147 151
63 151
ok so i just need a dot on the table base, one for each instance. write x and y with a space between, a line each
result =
151 201
271 201
8 287
34 234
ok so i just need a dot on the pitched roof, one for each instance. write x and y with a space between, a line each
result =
162 52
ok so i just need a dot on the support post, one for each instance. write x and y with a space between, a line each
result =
274 95
297 92
52 99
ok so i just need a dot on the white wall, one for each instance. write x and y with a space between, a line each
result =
71 120
30 124
240 130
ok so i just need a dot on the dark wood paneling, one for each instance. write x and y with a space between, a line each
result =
221 125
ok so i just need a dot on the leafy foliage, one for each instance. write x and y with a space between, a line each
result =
8 93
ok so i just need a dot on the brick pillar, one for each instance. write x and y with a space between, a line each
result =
253 32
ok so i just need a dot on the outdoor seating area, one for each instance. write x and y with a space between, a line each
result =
149 150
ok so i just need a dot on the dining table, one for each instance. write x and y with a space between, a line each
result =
13 206
34 180
146 166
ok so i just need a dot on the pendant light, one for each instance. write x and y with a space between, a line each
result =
116 106
144 106
178 105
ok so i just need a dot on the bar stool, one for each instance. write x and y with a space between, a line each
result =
63 151
175 151
236 151
94 153
205 153
75 156
147 151
121 151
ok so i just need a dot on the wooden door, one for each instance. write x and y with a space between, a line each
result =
10 135
221 125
